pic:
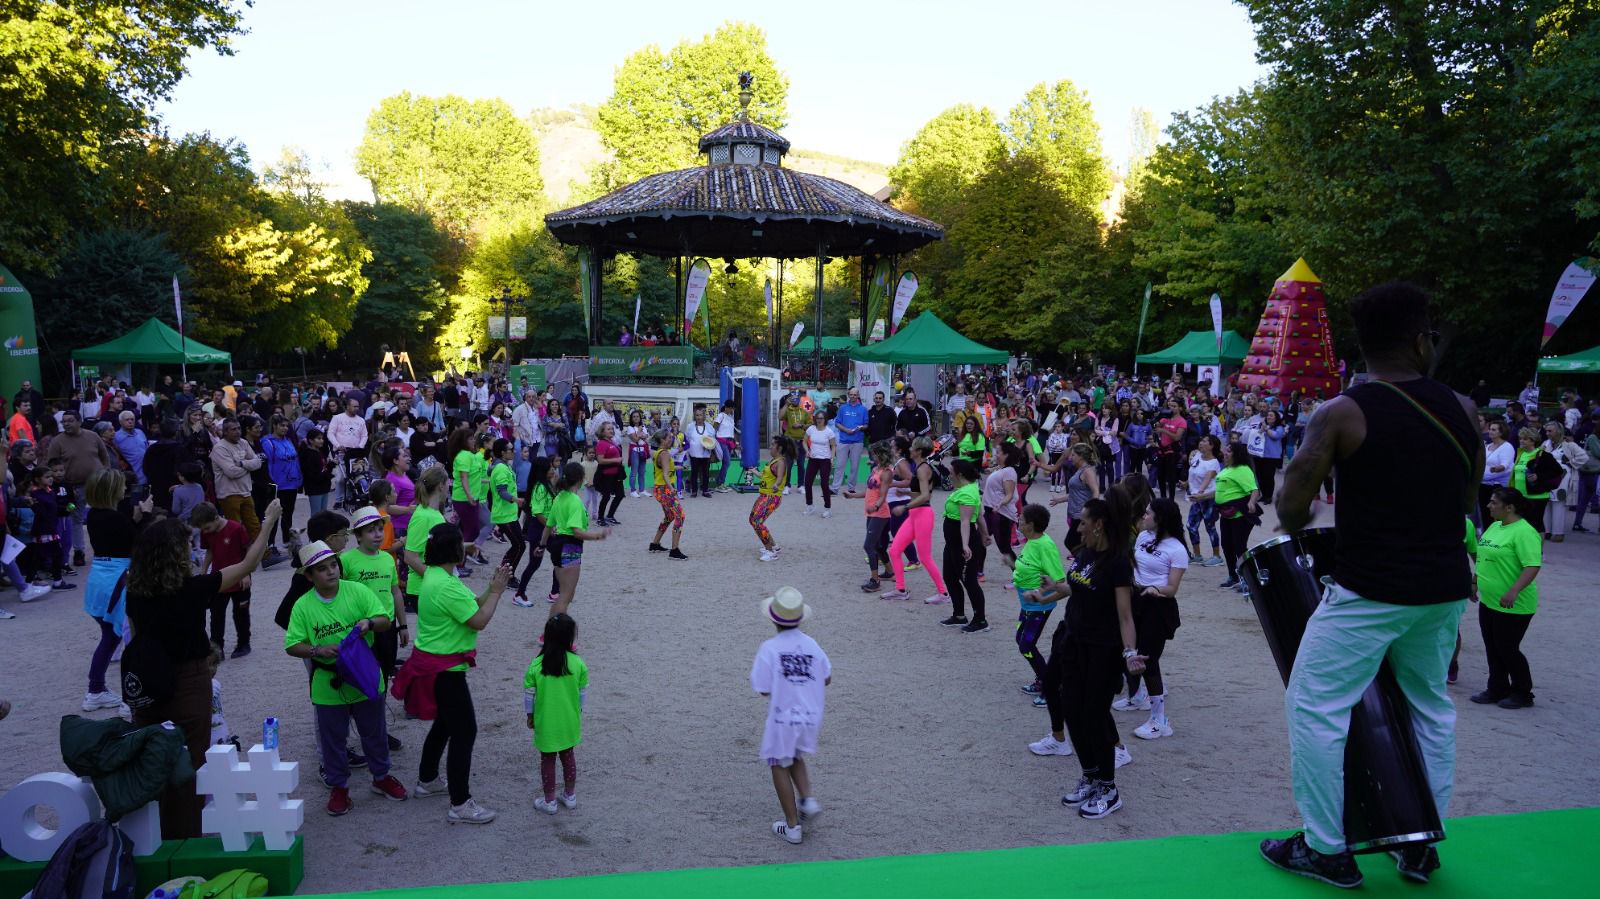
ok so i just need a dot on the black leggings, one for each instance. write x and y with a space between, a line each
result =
535 533
455 726
519 543
820 468
1167 474
1235 537
241 617
1267 476
1151 643
961 575
286 498
1502 643
1000 529
610 486
1084 680
699 475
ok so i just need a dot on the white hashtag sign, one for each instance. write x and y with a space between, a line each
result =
229 814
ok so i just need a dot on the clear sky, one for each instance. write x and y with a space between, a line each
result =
863 75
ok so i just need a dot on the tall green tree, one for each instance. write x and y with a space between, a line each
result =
464 162
662 101
1055 124
943 160
124 276
406 296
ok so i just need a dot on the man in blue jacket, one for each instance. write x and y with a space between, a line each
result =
851 423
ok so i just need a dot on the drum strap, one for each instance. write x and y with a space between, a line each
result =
1466 458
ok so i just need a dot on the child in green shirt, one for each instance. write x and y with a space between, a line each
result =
1037 565
552 695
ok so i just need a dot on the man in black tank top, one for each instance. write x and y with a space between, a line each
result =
1408 460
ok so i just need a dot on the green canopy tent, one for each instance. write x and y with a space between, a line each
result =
808 344
929 341
1200 348
1585 362
155 342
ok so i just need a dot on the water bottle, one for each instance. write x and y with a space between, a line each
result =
269 733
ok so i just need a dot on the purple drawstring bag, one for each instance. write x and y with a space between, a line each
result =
357 666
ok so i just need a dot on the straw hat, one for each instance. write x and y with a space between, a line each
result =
364 516
786 607
708 441
314 552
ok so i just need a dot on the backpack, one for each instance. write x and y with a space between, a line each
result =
69 865
1544 473
235 884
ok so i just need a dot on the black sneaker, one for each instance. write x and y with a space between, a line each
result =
676 554
1416 863
976 627
1106 799
1229 584
1487 697
78 559
241 650
1294 856
394 743
954 621
657 548
1031 689
357 760
1516 701
1080 793
872 586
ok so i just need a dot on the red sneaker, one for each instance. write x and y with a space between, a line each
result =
339 802
388 786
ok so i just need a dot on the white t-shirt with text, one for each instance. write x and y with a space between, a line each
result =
793 670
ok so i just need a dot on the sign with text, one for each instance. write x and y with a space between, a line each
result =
641 362
20 360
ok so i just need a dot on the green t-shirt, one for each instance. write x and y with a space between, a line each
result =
375 572
500 511
1519 474
972 447
443 607
557 707
476 470
1234 482
1503 551
325 622
422 521
539 500
1039 556
567 514
961 496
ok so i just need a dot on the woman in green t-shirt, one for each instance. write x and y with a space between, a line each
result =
469 476
433 489
965 536
568 528
1238 506
1527 449
1509 553
973 446
449 618
541 493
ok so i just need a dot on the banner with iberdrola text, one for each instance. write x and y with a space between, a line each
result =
641 362
21 359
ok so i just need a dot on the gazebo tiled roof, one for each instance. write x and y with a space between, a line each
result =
744 132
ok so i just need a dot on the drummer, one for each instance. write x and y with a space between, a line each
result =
1400 582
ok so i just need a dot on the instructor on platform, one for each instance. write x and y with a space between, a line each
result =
1400 581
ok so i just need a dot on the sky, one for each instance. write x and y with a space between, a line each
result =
310 71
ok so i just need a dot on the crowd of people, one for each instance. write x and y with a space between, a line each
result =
179 493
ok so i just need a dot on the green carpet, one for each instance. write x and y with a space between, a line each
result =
1499 856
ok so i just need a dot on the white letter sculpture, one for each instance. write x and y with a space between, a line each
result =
229 814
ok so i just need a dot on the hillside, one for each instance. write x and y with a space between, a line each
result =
569 146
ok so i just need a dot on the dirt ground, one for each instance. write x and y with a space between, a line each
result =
924 746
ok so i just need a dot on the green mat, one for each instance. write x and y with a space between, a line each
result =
1498 856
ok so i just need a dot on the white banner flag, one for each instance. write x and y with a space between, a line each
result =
1216 322
638 299
869 378
694 290
177 303
1574 283
903 293
768 292
794 336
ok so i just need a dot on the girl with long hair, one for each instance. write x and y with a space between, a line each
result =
769 496
965 537
469 485
1000 510
552 691
1203 469
541 493
973 446
568 530
432 492
876 545
918 528
1159 560
667 495
636 437
1237 499
901 477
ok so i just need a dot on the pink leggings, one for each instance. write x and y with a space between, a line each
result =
919 527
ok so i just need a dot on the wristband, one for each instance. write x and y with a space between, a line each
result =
1129 653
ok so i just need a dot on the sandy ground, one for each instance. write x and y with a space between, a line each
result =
924 744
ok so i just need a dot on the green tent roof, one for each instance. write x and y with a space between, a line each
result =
829 344
152 341
1585 362
1200 348
929 341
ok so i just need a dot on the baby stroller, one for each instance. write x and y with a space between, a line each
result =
357 480
942 446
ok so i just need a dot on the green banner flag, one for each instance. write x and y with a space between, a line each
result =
877 293
1144 311
641 362
21 360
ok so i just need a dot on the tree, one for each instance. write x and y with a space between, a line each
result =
661 102
405 299
943 160
124 276
522 256
463 162
1055 124
75 76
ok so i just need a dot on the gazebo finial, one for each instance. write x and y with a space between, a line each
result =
746 82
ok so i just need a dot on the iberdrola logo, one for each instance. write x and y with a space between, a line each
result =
18 346
16 343
636 365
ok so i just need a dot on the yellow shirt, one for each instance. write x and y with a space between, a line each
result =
667 476
769 480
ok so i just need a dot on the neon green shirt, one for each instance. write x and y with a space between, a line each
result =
472 465
500 511
1519 474
557 705
539 500
422 521
1039 556
973 447
961 496
443 607
1503 551
1234 482
325 622
375 572
567 514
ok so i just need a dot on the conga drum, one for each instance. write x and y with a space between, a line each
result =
1387 800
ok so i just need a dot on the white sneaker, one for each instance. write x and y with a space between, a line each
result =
469 812
6 616
827 513
786 491
1050 746
101 700
808 511
548 806
1122 756
810 810
937 598
34 591
436 787
768 555
1153 730
124 712
1140 702
792 834
570 800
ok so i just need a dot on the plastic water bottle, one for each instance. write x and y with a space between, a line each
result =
269 733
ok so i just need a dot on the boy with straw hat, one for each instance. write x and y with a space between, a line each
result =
793 672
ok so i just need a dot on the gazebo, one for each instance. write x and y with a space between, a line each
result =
741 204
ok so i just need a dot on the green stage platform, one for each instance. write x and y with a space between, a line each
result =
1497 856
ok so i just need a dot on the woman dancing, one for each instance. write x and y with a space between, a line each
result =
667 495
918 527
770 495
1159 561
567 532
964 539
541 494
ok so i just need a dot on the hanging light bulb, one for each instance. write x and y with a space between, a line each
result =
731 268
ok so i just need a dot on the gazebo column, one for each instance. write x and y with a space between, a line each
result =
816 334
596 279
868 263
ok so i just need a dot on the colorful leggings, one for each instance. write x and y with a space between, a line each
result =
547 773
764 507
918 527
1029 626
671 509
1203 510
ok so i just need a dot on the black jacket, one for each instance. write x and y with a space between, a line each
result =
130 766
880 423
